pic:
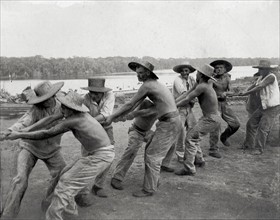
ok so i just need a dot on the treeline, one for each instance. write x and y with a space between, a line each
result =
38 67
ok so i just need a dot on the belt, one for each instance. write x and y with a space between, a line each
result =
168 116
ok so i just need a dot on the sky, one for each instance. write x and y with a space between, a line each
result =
160 29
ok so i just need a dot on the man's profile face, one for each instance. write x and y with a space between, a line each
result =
185 72
198 76
263 71
142 74
220 69
96 96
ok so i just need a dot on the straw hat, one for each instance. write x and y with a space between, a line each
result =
227 64
178 68
44 91
148 66
206 70
96 85
264 64
73 101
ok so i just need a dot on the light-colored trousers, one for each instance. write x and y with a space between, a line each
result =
136 139
258 127
25 163
160 148
188 121
82 173
204 126
230 118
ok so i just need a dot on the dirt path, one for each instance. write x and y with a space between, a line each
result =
238 186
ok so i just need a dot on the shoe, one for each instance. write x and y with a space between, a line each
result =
199 163
215 154
142 193
99 192
116 184
166 169
224 140
84 200
256 152
184 172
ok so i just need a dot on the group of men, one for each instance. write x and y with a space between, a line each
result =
90 119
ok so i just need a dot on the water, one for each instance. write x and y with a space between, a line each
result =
116 82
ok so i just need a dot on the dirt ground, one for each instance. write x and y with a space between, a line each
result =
237 186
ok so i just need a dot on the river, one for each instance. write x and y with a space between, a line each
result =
116 82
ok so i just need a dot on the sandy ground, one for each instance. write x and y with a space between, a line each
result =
238 186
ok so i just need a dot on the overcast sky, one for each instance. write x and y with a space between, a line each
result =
160 29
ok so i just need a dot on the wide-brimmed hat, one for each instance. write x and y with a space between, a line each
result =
206 70
264 64
44 91
227 64
73 101
96 85
148 66
178 68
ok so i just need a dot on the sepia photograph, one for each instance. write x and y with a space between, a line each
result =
128 109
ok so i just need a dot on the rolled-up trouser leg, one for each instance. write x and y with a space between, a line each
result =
25 163
180 143
265 126
81 174
135 141
164 137
230 118
55 164
204 126
251 129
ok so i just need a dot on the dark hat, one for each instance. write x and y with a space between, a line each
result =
96 85
206 70
227 64
73 101
44 91
264 64
148 66
178 68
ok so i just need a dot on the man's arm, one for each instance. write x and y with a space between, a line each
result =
193 94
137 98
269 80
43 123
185 94
41 134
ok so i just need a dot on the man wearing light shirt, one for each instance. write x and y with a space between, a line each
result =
100 100
182 84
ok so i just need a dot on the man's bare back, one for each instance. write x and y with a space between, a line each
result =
84 127
208 99
160 95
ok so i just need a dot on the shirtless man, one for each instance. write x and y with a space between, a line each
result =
145 116
93 137
139 132
222 87
167 128
209 122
